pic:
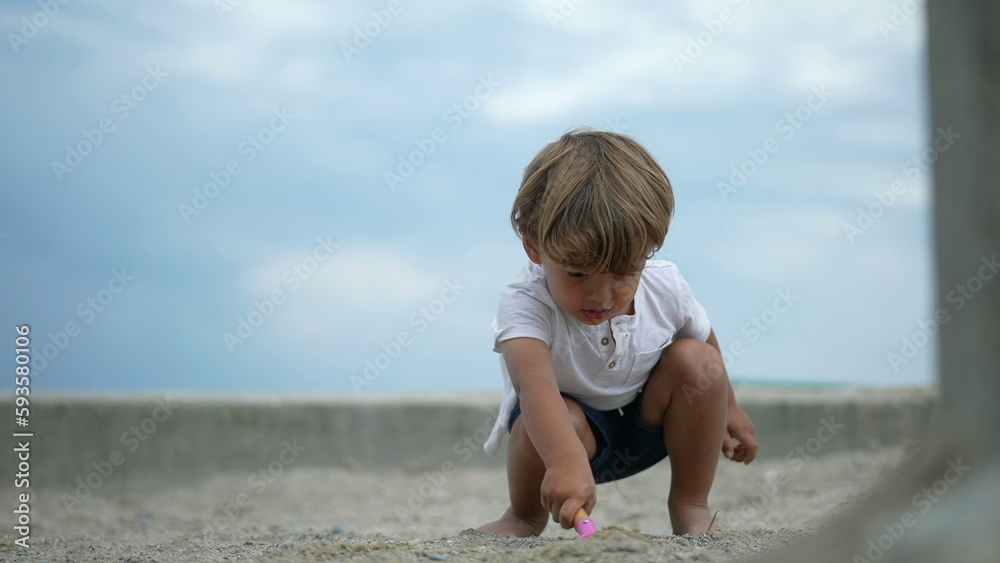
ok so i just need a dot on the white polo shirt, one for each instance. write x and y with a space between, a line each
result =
605 365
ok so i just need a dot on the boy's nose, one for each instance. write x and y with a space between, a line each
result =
599 291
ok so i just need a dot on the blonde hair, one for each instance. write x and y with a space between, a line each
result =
594 201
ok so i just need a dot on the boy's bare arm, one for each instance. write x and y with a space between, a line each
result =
547 422
739 425
714 342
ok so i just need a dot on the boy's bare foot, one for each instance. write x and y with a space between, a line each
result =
512 525
692 520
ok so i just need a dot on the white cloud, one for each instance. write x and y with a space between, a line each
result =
639 67
877 132
368 279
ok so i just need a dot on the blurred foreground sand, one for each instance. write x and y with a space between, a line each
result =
310 514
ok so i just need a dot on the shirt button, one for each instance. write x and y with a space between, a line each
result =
612 364
604 342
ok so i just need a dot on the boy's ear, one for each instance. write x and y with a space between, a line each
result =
531 251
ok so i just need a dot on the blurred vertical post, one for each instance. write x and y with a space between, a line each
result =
964 52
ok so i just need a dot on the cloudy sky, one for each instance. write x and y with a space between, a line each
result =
278 195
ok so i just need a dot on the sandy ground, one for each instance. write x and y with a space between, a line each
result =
309 514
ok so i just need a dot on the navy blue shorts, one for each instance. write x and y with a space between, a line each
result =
624 447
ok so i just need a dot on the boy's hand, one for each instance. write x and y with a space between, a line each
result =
739 428
566 488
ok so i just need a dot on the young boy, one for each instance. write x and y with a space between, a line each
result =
609 362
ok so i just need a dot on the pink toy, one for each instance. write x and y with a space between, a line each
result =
583 524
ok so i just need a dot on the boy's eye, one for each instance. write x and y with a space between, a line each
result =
576 274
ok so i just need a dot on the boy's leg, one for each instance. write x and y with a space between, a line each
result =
687 394
525 470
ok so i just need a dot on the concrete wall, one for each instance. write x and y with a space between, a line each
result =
141 438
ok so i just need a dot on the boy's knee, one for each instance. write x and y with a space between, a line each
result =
697 364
